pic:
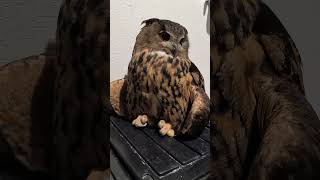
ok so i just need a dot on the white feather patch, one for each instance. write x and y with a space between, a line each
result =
161 53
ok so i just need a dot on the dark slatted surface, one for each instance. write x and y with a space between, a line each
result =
145 154
126 151
119 170
206 134
199 145
182 153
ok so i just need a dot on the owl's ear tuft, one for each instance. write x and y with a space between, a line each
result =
150 21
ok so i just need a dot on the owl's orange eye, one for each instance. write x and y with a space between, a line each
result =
164 36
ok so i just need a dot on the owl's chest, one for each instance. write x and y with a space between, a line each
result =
157 69
158 83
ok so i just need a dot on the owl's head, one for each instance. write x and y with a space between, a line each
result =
163 35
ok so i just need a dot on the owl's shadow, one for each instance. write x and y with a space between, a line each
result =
206 10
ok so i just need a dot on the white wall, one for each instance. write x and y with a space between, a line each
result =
126 18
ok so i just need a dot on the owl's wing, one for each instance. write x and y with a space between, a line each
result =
199 106
196 75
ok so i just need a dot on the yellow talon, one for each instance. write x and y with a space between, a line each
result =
161 124
170 133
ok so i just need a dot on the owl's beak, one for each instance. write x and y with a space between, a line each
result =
174 51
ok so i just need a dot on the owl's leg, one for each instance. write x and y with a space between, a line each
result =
165 128
141 121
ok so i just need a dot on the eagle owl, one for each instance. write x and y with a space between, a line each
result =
161 79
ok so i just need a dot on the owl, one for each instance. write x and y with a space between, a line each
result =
162 81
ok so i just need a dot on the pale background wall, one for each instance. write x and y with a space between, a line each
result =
127 15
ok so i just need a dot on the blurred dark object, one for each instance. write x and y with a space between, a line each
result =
263 125
80 130
25 113
53 122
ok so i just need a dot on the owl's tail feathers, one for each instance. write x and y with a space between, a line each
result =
118 91
198 116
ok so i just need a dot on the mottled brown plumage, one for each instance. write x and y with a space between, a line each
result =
162 83
263 127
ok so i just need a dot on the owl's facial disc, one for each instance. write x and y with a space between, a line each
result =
168 43
170 48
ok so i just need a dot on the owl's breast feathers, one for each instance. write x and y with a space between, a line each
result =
159 68
166 87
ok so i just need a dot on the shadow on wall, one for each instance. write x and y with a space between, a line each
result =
206 9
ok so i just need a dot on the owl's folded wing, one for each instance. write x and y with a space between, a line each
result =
198 116
199 107
197 76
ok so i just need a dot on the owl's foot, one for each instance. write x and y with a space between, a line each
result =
165 128
140 121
